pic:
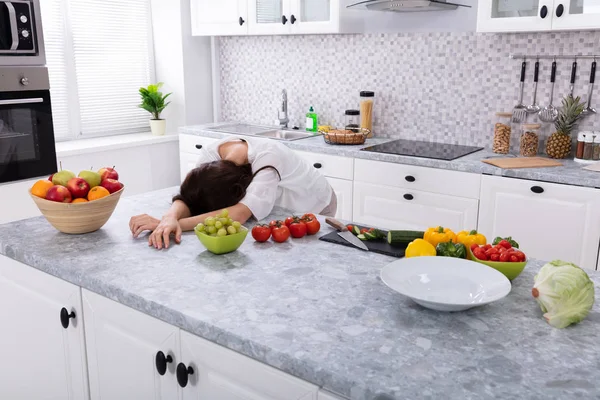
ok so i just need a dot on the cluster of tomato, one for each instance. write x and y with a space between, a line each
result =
502 252
296 227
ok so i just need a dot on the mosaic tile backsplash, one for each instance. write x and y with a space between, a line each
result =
442 87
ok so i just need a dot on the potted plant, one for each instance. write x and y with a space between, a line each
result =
153 101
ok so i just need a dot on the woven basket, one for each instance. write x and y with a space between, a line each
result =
346 136
78 218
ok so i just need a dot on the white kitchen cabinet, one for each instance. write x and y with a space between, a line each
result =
41 358
219 373
396 208
549 221
269 17
219 17
576 14
122 345
323 395
344 191
316 16
16 202
190 147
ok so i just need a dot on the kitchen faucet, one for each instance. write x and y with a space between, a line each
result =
283 110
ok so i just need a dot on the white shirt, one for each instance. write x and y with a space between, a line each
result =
302 188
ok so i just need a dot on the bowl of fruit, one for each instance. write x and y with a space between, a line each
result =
503 255
220 234
78 204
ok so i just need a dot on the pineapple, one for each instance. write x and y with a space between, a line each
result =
559 144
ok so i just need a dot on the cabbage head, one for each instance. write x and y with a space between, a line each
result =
564 292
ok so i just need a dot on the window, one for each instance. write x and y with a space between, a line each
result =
99 53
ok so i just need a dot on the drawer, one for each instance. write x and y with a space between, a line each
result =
454 183
330 166
193 144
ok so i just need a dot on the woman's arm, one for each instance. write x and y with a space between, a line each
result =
239 213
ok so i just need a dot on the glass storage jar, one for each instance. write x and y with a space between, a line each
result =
367 101
502 133
352 120
588 149
580 145
530 140
596 155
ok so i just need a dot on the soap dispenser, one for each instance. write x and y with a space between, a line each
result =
312 121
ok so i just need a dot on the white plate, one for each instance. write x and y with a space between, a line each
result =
444 283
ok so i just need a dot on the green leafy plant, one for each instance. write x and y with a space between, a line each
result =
153 100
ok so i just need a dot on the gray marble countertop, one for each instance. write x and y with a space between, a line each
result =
570 173
320 312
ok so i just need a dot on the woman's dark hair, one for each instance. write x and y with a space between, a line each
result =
216 185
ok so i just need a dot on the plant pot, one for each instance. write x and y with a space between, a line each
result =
158 127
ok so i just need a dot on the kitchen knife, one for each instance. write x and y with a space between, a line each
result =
345 234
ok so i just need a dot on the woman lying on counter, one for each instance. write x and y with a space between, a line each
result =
248 177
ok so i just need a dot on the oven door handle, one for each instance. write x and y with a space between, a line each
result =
13 102
12 14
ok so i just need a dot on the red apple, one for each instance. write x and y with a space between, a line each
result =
111 185
59 194
108 173
50 178
78 187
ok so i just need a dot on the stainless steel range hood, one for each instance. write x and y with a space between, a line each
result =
406 5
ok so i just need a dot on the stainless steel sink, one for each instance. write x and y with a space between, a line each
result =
262 131
286 135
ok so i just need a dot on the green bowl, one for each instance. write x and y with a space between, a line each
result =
222 244
509 269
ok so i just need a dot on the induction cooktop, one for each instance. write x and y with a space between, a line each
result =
416 148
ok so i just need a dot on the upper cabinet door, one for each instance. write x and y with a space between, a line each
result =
315 16
576 14
219 17
515 15
269 17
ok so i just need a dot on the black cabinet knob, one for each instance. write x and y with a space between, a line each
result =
284 19
293 19
65 317
560 10
409 197
161 362
183 374
242 21
410 178
318 165
537 189
544 12
199 146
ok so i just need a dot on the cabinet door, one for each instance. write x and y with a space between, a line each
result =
515 15
41 359
576 14
269 17
219 17
315 16
563 222
122 345
219 373
343 191
395 208
194 143
187 162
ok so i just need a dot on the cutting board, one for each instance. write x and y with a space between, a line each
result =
376 246
522 162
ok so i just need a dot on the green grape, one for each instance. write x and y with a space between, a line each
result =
224 221
231 230
222 232
225 213
229 221
211 229
218 224
236 225
210 221
200 227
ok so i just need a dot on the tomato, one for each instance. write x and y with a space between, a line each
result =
514 258
505 257
502 250
495 257
487 247
261 233
312 216
506 244
474 246
480 254
280 233
520 255
288 221
350 227
298 229
313 226
364 230
491 251
275 223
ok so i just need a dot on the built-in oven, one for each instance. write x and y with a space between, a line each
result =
27 146
21 39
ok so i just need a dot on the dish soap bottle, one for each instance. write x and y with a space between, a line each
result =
312 121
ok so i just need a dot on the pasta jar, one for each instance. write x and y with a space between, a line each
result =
502 133
530 140
367 101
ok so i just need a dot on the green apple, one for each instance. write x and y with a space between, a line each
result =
63 177
92 178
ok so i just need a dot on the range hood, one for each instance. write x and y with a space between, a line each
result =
405 5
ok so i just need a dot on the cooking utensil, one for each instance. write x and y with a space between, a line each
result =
550 113
446 283
535 108
345 234
573 77
520 162
375 246
589 110
520 110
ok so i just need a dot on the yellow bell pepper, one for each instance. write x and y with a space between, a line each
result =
470 238
439 235
420 248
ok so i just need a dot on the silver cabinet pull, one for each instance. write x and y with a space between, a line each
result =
21 101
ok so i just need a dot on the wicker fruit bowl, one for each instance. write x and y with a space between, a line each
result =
78 218
353 136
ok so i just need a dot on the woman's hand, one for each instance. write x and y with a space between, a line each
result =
161 236
141 223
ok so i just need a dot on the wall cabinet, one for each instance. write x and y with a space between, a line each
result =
219 18
549 221
41 358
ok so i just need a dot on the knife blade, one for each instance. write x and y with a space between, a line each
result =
345 234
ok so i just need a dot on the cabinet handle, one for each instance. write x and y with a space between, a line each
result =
161 362
537 189
242 21
544 12
410 178
183 374
318 165
284 19
409 197
65 317
199 146
293 19
560 10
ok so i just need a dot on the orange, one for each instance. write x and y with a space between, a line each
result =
40 188
79 201
97 193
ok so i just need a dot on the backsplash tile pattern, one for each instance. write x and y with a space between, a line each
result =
429 86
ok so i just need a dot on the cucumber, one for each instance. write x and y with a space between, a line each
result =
370 236
404 237
362 237
356 230
379 234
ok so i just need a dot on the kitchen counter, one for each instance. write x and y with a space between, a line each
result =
320 312
571 173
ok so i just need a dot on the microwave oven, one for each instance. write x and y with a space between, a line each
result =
21 39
